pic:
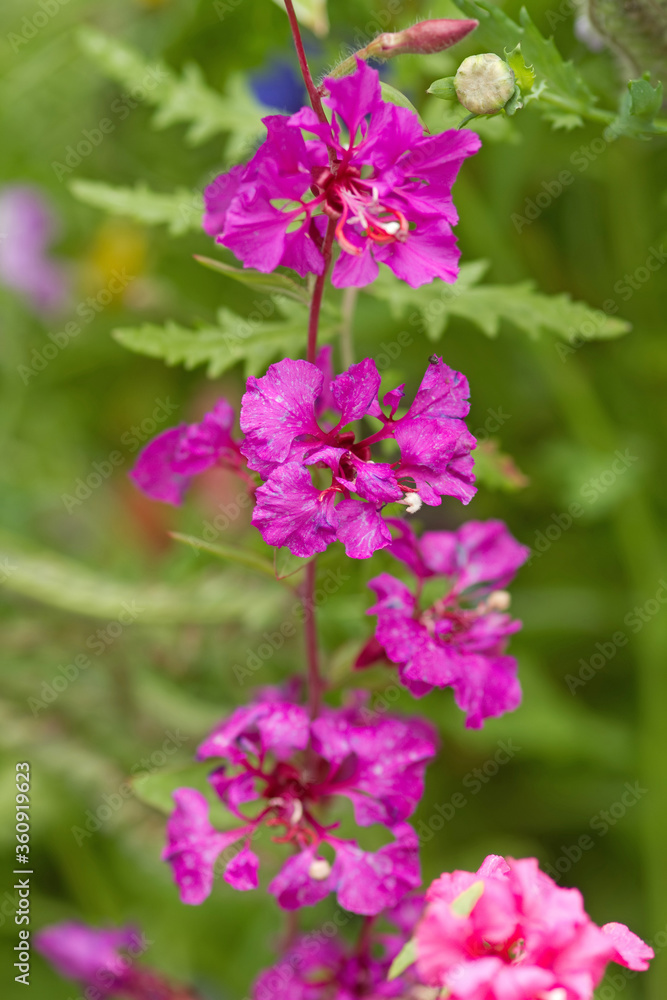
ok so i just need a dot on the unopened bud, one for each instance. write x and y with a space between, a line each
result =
498 600
319 869
484 84
424 38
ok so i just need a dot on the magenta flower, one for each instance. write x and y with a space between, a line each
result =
166 465
285 441
525 937
27 229
92 956
273 755
459 641
102 962
327 968
387 186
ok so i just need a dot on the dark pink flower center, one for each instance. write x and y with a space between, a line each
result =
351 199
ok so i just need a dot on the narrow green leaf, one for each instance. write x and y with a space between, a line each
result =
406 957
463 905
228 553
272 283
156 790
392 96
65 584
181 210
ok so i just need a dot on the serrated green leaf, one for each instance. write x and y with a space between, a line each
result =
179 100
541 53
272 283
181 210
638 107
487 306
312 13
497 470
254 342
228 553
406 957
524 75
463 905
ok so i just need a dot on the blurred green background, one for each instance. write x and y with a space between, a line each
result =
166 672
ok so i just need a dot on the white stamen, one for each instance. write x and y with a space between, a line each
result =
297 811
390 227
319 869
412 502
499 600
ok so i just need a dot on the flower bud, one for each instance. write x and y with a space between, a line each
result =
319 869
484 84
424 38
498 600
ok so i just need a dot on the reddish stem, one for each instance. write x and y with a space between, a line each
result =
318 292
315 683
313 92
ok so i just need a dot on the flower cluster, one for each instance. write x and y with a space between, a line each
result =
290 767
285 441
371 171
102 961
459 641
166 465
317 966
521 937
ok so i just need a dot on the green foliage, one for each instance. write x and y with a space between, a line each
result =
406 957
180 100
560 92
487 306
62 583
181 210
274 283
254 341
311 13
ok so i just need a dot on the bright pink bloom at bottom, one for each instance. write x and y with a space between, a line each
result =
525 938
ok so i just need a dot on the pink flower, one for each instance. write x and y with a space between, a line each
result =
165 467
523 937
324 968
272 754
372 170
27 229
101 960
459 641
286 439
